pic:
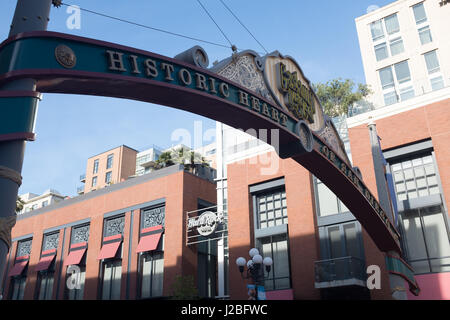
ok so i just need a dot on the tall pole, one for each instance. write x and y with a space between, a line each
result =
30 15
396 282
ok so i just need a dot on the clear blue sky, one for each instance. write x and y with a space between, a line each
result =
320 35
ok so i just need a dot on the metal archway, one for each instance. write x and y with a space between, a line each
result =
61 63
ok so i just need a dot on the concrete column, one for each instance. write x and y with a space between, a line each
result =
30 15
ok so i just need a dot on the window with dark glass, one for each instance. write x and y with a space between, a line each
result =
108 177
77 256
272 209
151 252
426 239
46 267
111 257
95 170
109 161
271 232
18 272
276 247
94 181
422 214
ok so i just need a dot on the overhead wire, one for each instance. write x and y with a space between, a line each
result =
165 31
242 24
218 27
149 27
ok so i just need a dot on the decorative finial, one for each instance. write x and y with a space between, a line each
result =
57 3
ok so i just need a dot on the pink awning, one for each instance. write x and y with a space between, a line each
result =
74 257
109 250
149 243
18 268
45 262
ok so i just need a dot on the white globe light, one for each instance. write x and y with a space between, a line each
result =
253 252
268 261
240 262
257 259
249 264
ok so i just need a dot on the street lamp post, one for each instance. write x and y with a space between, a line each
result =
255 267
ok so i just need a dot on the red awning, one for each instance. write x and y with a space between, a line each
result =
45 262
109 250
75 257
149 243
18 268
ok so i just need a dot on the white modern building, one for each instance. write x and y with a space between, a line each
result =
405 49
34 201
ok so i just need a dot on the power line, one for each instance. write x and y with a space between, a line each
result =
242 24
152 28
223 33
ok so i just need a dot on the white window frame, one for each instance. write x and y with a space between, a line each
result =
434 74
398 87
386 38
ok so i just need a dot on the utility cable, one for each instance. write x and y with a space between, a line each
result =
242 24
218 27
152 28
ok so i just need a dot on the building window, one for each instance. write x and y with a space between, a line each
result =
402 72
111 257
108 177
432 62
419 13
426 239
152 274
18 287
18 272
425 35
45 280
422 216
151 250
271 231
112 276
396 46
95 167
391 23
276 247
77 256
44 203
437 83
328 203
415 177
390 98
94 182
109 161
46 267
387 25
377 30
400 81
272 209
381 51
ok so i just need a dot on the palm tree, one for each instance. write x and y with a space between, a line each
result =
19 204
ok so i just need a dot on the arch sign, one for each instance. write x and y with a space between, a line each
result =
244 91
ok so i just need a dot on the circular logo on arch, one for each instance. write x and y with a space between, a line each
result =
65 56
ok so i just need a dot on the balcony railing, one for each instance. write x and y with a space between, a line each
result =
80 190
83 177
340 272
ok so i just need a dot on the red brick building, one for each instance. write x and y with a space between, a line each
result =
127 239
415 139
